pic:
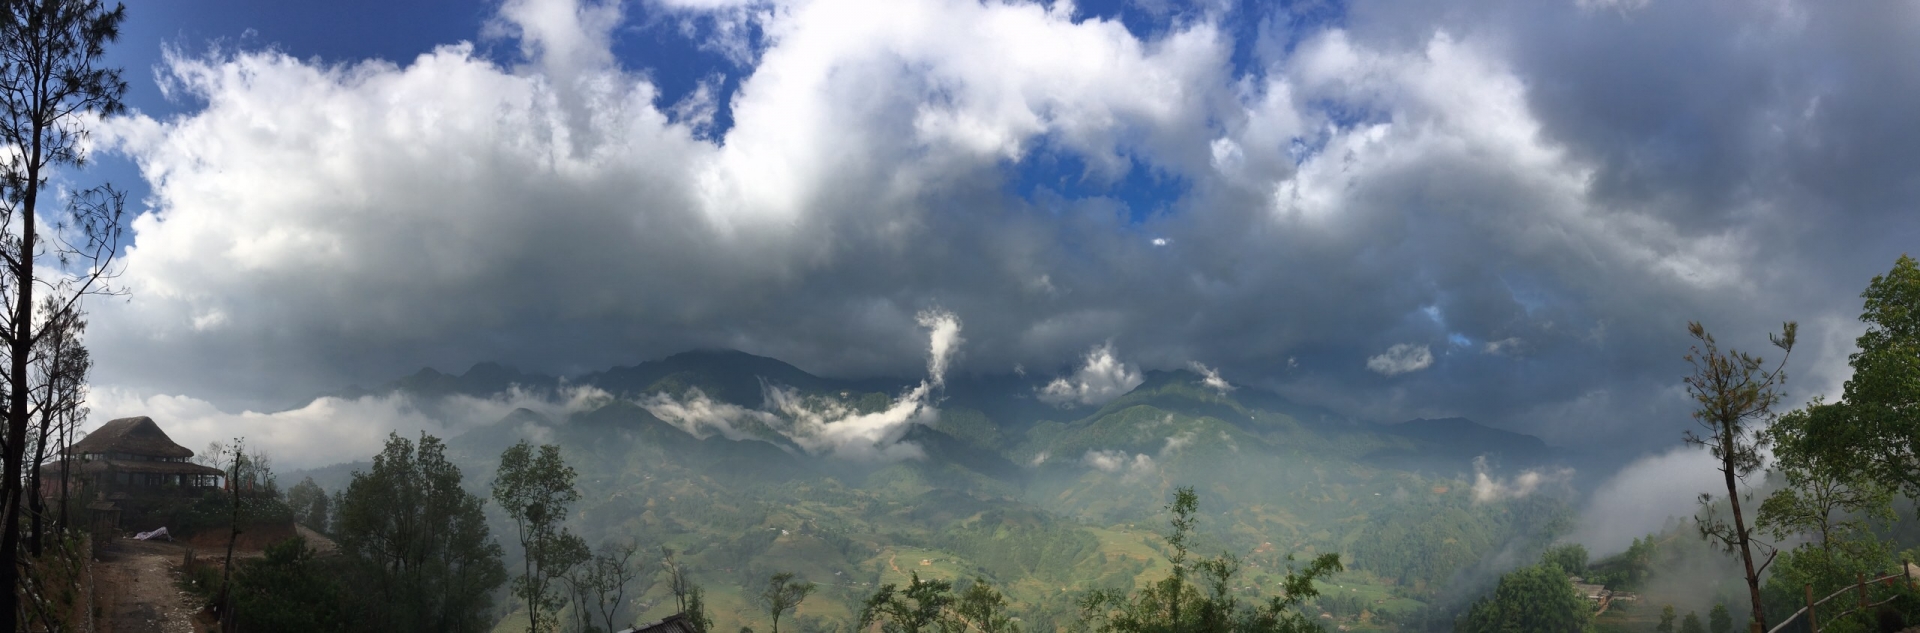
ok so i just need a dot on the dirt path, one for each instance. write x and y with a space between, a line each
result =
322 546
134 585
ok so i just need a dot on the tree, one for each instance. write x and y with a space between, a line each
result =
66 367
687 594
1883 395
60 370
289 591
1734 393
1827 496
1843 462
1207 602
1719 620
930 605
1570 558
535 490
237 467
783 594
698 617
924 606
983 609
52 81
1666 620
422 557
1537 599
600 585
1691 624
309 504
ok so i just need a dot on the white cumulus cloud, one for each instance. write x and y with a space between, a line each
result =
1101 378
1131 468
313 224
1487 488
1210 377
1400 359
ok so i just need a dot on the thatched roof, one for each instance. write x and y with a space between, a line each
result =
134 436
676 623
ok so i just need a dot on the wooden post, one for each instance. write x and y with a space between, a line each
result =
1861 585
1812 623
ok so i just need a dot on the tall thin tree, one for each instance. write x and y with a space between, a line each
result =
1735 393
237 470
53 80
535 488
783 594
686 594
60 366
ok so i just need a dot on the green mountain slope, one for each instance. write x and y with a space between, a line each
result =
1044 502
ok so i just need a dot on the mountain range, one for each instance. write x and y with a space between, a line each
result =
748 465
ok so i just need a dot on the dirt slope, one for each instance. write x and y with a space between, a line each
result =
135 588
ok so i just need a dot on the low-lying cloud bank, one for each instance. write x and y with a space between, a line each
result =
701 416
1644 496
823 425
332 430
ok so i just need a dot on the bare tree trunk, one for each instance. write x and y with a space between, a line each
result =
66 473
226 575
36 502
52 77
20 346
1746 555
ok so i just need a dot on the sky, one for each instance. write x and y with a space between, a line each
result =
1507 211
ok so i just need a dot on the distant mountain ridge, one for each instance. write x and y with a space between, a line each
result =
989 415
738 376
1008 401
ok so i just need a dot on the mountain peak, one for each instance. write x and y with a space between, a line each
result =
490 369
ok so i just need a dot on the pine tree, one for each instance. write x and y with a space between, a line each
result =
1719 620
1735 394
53 82
1691 624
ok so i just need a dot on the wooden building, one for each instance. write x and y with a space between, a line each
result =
676 623
133 456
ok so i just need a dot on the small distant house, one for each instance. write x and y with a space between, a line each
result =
132 455
1593 593
676 623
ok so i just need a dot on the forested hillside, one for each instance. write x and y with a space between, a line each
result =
698 453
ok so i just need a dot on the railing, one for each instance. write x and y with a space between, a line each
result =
1860 587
